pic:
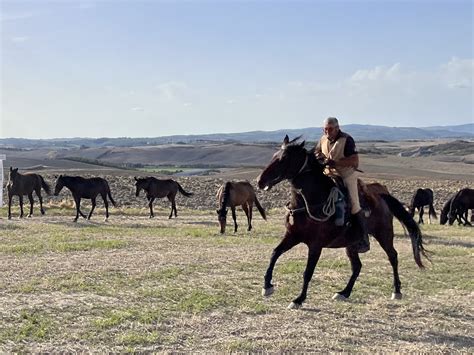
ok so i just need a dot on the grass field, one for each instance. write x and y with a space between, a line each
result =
135 284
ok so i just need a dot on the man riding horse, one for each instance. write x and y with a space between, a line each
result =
339 152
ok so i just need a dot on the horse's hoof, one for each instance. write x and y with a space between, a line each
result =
396 296
29 216
106 219
9 217
266 292
294 305
339 297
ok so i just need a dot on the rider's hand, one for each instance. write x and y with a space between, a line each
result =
331 163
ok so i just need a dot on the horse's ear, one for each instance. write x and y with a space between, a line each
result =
135 178
302 144
286 140
11 169
217 211
55 176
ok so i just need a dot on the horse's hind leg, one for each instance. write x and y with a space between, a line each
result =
356 266
288 242
30 197
40 198
104 197
171 198
387 245
313 256
249 218
420 218
93 200
234 217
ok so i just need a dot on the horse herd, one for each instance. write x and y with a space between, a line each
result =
311 210
230 195
455 208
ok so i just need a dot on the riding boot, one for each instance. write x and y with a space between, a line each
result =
364 244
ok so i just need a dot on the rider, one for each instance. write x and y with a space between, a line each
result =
341 158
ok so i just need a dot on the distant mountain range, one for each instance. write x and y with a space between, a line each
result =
359 132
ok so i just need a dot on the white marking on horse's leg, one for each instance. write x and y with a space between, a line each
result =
294 305
339 297
266 292
396 296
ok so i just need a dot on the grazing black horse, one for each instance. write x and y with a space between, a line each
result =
420 199
21 185
156 188
311 194
85 188
443 217
460 205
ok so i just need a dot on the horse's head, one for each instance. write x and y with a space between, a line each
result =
13 174
452 214
140 184
286 163
222 217
59 185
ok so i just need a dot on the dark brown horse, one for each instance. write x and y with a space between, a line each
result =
445 212
156 188
21 185
233 194
309 219
420 199
460 205
85 188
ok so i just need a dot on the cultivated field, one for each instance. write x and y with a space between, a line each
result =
135 284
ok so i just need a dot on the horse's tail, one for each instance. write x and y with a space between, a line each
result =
110 195
45 185
260 208
187 194
413 230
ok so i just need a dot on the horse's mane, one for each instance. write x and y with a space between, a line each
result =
226 194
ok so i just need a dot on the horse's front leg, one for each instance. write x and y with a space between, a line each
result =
313 256
288 242
150 204
21 206
94 203
356 266
10 197
234 217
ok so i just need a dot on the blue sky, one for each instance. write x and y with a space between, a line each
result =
153 68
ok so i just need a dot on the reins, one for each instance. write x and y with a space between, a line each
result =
328 206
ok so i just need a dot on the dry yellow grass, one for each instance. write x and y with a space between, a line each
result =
135 284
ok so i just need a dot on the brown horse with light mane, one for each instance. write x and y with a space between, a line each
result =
25 184
232 194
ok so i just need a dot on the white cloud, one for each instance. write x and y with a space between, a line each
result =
458 73
138 109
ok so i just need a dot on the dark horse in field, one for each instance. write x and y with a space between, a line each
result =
156 188
307 223
460 204
21 185
420 199
445 212
233 194
85 188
